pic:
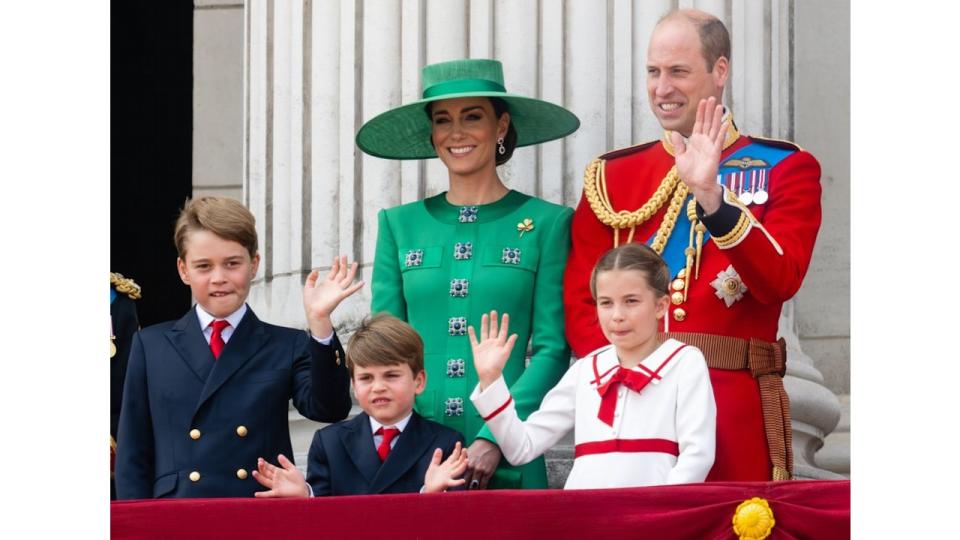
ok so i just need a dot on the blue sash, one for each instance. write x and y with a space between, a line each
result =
752 157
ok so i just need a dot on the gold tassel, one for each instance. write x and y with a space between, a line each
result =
700 230
686 276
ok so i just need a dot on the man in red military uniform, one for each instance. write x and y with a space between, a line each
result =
734 216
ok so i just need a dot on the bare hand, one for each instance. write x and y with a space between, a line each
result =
320 298
443 476
493 349
285 482
699 158
482 463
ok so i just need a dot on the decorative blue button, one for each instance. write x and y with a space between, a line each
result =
468 214
414 258
454 407
457 326
462 251
511 255
456 367
458 287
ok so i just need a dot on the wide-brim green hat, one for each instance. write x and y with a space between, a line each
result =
404 132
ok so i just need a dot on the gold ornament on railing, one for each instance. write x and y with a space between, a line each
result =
753 519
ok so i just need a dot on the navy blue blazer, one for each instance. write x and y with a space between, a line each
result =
343 460
193 426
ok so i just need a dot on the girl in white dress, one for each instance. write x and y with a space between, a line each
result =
642 408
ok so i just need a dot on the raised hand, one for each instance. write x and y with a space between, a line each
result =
491 351
443 476
321 297
281 482
699 158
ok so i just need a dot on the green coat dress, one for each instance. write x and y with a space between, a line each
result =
440 267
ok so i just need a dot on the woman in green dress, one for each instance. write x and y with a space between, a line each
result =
444 261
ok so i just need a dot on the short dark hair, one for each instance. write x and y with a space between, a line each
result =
384 340
509 140
640 257
714 37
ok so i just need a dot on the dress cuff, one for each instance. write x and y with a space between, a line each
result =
492 400
324 341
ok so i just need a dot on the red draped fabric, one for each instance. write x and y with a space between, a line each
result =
802 509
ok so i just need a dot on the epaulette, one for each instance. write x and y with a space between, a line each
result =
779 143
628 150
125 285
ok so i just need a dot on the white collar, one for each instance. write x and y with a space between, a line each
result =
234 318
607 360
401 425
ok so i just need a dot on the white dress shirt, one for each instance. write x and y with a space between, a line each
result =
375 427
234 319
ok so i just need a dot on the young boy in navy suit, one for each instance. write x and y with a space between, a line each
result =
388 448
206 395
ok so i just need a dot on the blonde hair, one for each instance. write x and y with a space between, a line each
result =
384 340
224 217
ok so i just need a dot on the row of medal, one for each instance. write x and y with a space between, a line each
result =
749 186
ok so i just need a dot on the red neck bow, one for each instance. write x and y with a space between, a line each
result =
634 380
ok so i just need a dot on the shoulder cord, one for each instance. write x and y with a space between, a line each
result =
595 191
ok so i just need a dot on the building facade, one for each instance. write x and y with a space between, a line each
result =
282 86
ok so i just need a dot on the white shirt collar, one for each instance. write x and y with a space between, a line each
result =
401 425
607 359
234 318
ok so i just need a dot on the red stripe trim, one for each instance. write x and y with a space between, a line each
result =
599 377
653 374
499 410
627 445
604 374
669 358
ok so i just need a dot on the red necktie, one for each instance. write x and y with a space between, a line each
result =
388 435
216 338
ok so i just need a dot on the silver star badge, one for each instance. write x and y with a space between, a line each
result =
729 286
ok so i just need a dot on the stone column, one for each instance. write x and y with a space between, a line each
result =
814 409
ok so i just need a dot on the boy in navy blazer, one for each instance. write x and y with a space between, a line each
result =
388 448
206 395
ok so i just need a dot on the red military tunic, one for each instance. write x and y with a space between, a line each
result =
791 216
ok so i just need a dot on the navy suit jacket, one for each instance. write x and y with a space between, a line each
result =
238 405
343 460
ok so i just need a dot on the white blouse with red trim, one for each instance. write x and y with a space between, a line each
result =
664 434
